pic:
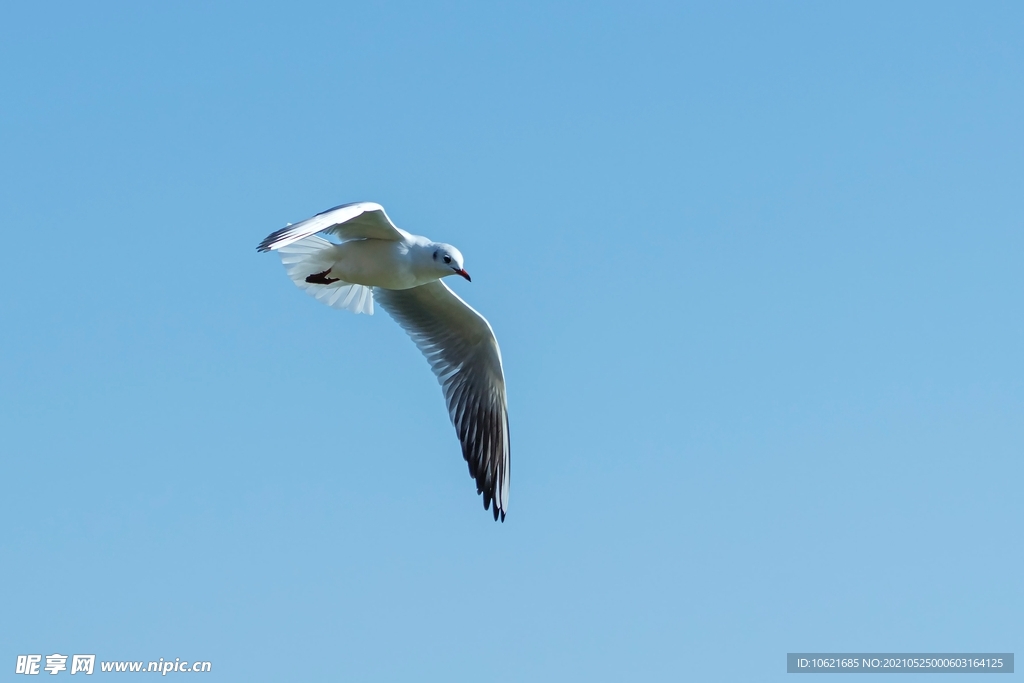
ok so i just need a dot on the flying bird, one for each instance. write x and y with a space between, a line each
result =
371 260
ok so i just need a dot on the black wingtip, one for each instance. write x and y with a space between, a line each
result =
495 510
273 238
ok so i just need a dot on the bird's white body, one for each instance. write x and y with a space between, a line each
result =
375 263
380 263
374 260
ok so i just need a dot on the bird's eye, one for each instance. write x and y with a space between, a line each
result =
447 259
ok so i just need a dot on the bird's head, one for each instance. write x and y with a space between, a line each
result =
448 260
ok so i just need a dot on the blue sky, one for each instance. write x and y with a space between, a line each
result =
755 271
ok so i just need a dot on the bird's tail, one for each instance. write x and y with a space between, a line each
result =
307 262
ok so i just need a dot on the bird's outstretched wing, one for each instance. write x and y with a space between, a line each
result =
361 220
463 353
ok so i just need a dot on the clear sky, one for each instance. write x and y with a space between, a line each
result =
756 274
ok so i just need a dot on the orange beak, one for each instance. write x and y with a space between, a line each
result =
464 274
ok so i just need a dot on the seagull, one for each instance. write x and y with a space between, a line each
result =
372 259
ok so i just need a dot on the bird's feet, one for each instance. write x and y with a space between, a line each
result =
321 278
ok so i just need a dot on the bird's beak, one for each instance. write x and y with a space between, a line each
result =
463 274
